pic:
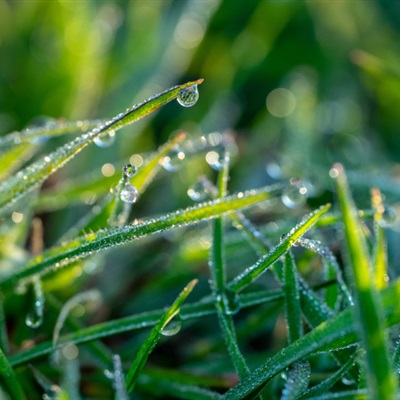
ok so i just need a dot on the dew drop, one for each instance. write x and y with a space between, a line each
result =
188 97
231 302
172 161
199 191
129 194
34 318
295 195
130 170
173 327
52 393
217 159
105 140
388 217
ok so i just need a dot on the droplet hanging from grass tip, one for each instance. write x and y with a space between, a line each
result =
173 327
129 194
34 318
188 97
105 140
294 195
130 170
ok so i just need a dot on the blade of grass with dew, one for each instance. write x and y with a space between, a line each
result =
253 272
326 384
218 281
381 379
155 335
292 299
49 130
80 248
33 175
12 159
202 308
3 329
380 250
8 376
340 330
347 395
298 379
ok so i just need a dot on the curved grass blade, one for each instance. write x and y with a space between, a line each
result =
325 385
154 336
10 379
80 248
381 379
33 175
253 272
338 331
292 299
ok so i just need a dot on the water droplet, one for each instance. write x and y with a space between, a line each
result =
130 170
105 140
52 393
388 217
231 302
199 191
295 195
172 161
173 327
188 97
129 194
34 317
217 159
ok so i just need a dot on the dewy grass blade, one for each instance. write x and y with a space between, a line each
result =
80 248
33 175
11 381
340 330
253 272
292 299
381 379
381 276
154 336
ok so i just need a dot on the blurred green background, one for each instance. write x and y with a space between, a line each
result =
299 84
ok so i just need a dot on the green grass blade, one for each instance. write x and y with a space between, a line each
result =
154 336
12 159
347 395
381 378
298 379
253 272
292 299
10 379
80 248
339 330
33 175
325 385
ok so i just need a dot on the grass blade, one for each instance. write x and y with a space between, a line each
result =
10 379
154 336
82 247
33 175
253 272
382 381
292 299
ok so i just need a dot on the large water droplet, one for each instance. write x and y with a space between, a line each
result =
52 393
199 191
388 217
172 161
295 195
188 97
105 140
231 302
130 170
34 317
129 194
217 159
173 327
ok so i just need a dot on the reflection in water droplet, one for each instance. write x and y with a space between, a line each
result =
173 327
188 97
388 217
105 140
34 317
172 161
130 170
295 195
129 194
